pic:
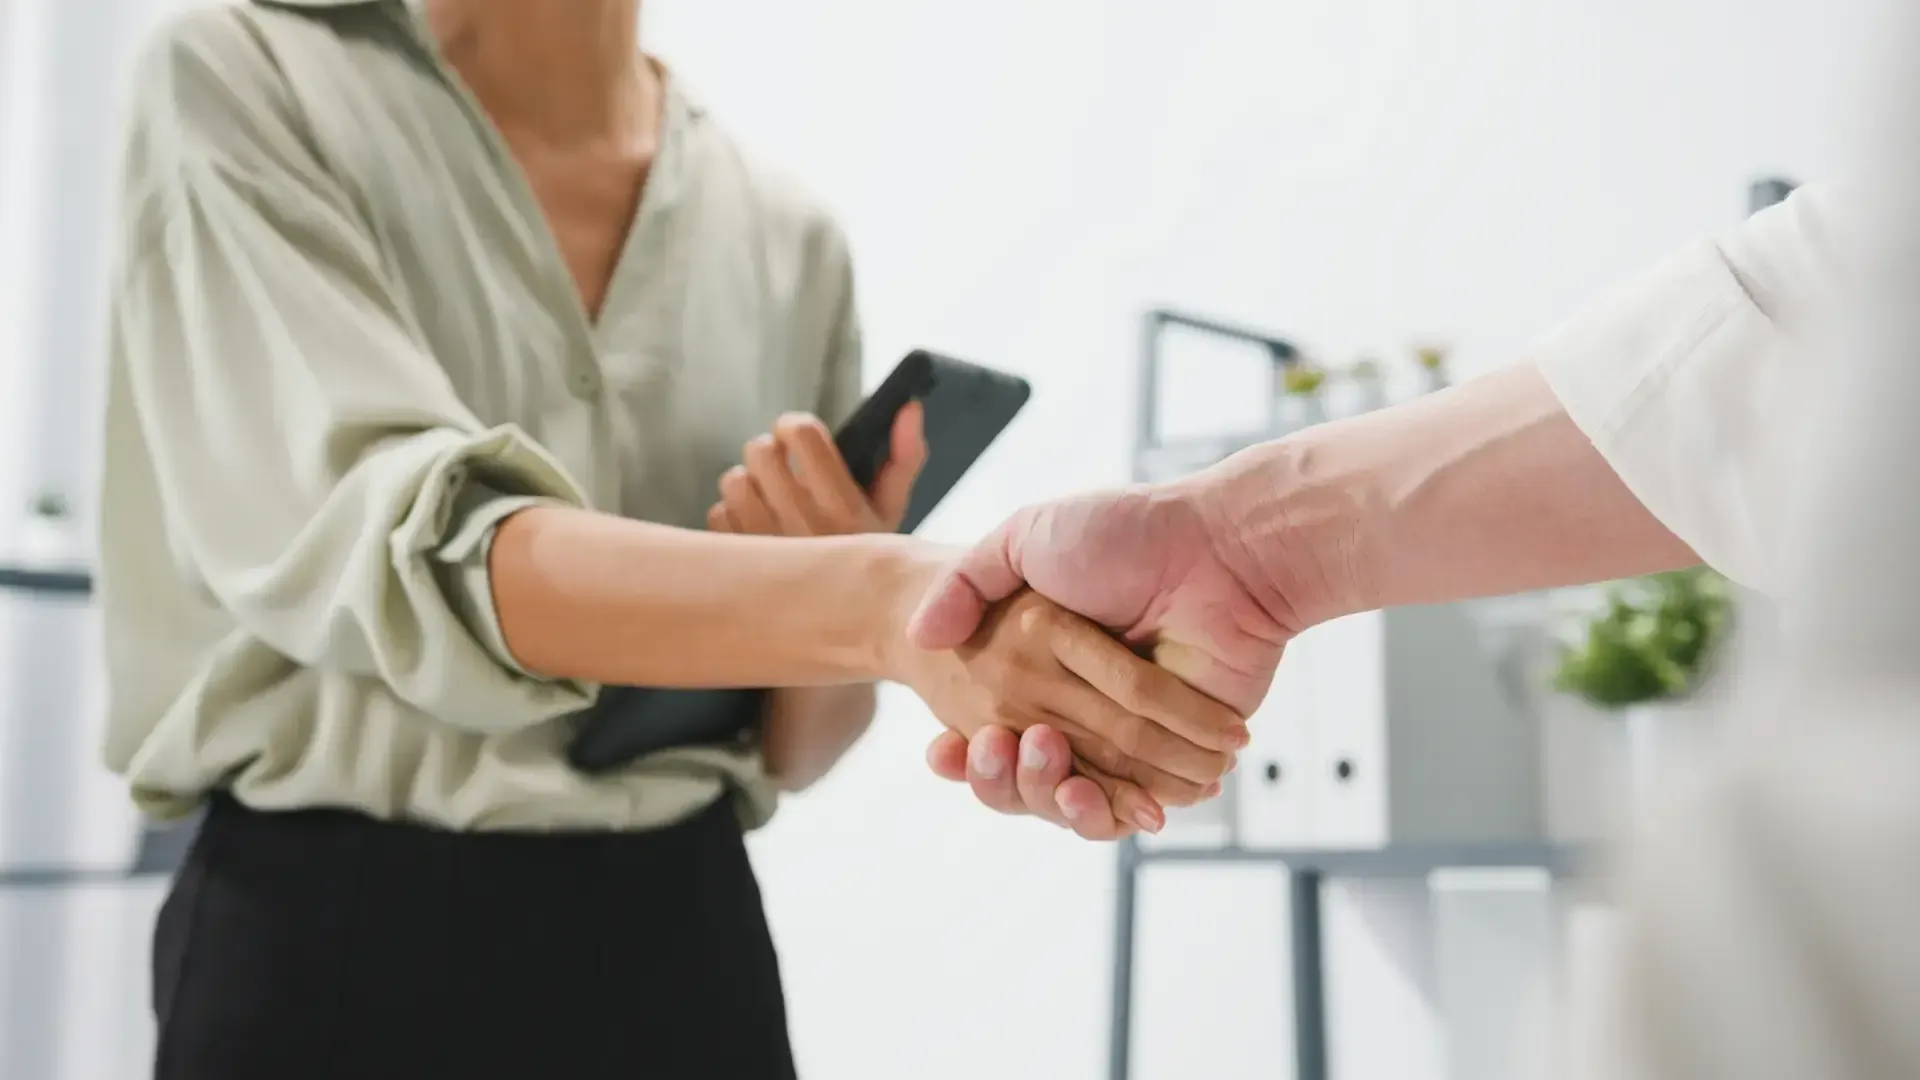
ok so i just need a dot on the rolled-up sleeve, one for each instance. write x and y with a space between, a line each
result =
1685 376
319 475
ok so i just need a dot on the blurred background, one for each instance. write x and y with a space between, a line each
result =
1025 184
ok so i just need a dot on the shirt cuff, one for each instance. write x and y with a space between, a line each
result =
478 512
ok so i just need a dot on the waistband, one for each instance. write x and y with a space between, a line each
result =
231 820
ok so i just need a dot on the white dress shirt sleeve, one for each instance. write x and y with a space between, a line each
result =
1685 377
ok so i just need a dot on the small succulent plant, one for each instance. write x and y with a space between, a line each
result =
1302 378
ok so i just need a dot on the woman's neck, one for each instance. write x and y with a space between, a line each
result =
559 68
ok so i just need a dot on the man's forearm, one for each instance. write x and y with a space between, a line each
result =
1482 489
603 599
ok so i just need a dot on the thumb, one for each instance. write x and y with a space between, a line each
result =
983 577
905 458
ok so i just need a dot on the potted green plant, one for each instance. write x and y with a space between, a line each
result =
1645 656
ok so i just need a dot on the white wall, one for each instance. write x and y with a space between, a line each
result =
1020 178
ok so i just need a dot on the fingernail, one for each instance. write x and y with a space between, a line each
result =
985 762
1032 757
1148 819
1213 789
1240 737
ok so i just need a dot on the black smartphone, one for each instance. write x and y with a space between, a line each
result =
965 406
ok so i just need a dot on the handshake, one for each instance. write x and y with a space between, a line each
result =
1093 660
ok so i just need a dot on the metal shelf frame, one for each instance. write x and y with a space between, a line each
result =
1308 871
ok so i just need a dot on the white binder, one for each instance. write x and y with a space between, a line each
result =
1271 802
1416 736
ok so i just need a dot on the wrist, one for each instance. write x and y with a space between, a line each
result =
900 578
1294 521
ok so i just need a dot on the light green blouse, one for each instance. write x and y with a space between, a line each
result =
343 347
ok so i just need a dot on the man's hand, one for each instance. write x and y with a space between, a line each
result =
1029 773
1145 563
792 482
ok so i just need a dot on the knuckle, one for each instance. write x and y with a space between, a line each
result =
1033 619
1129 734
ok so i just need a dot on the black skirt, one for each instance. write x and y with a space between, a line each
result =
325 944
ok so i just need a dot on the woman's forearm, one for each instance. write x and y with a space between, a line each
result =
1482 489
589 596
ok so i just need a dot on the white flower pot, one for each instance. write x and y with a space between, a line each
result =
1606 772
1666 743
1586 771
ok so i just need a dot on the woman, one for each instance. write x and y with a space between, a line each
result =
434 325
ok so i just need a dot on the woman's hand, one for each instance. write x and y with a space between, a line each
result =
793 482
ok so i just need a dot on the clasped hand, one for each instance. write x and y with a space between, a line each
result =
1135 733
